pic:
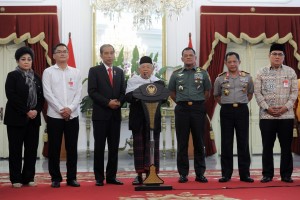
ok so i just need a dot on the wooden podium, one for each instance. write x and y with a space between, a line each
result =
151 96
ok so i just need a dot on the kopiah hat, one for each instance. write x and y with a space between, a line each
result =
145 59
277 47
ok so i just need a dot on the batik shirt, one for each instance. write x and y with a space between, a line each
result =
276 87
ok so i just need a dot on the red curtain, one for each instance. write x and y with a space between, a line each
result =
221 25
217 68
37 26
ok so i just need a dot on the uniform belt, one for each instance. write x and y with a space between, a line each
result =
190 103
234 105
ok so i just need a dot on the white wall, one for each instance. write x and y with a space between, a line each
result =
75 16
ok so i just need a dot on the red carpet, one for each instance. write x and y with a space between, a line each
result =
190 190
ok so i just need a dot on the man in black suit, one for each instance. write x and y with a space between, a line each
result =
106 87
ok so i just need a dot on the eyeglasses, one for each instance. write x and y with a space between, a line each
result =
277 54
61 52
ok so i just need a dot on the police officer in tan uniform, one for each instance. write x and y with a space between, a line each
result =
189 88
233 90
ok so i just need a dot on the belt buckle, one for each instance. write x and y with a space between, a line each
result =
235 105
190 103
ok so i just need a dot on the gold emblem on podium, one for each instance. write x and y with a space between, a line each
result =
151 89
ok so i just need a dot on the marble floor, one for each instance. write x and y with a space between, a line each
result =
85 164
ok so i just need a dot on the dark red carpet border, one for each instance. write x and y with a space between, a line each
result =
191 190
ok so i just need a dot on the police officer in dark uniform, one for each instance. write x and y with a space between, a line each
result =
233 90
189 88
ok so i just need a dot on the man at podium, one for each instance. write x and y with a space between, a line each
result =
137 121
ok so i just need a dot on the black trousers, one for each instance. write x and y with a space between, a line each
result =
283 129
106 130
17 137
235 119
56 128
190 119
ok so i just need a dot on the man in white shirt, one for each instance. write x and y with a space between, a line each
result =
62 90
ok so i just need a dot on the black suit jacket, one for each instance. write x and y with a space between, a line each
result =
17 94
101 91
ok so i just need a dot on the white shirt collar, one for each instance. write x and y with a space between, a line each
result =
107 66
57 67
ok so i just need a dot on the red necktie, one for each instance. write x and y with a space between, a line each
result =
110 76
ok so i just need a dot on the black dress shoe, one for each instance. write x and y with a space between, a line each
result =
287 179
137 181
183 179
55 184
266 179
73 183
201 179
99 183
224 179
247 179
114 181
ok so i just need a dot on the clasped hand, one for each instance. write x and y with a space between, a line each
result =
114 104
277 111
65 113
32 114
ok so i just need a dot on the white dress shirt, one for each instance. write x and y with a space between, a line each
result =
62 88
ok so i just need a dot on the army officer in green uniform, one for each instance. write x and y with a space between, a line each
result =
189 88
233 90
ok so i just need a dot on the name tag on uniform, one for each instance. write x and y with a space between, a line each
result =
71 83
286 83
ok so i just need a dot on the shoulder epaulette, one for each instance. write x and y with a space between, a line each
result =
178 69
243 73
222 73
199 69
